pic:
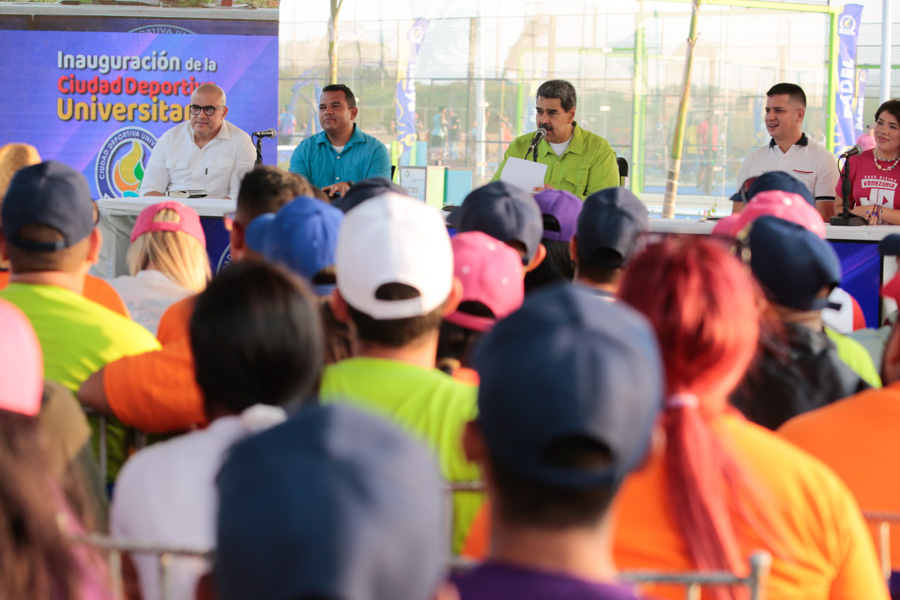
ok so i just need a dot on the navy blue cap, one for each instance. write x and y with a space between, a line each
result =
792 263
52 194
302 236
504 212
333 503
569 365
611 219
775 180
890 245
365 189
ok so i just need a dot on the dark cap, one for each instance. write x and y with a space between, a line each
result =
51 194
569 365
504 212
890 245
563 207
612 219
333 503
774 180
365 189
792 263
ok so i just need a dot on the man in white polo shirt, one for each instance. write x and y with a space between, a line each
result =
791 151
207 153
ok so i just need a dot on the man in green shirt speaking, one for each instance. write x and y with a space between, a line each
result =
578 161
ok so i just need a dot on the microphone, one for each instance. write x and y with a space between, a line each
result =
852 151
265 133
538 136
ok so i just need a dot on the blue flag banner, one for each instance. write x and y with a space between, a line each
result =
861 78
848 32
405 100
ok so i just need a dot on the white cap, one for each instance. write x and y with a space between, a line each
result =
392 238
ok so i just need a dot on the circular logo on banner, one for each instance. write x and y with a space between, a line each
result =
121 162
160 29
847 25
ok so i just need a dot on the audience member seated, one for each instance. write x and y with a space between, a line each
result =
14 157
167 260
256 339
395 283
798 367
156 392
491 276
334 503
36 556
856 438
717 488
559 210
507 213
553 462
302 236
608 234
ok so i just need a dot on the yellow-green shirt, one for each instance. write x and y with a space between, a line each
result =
856 357
588 164
428 404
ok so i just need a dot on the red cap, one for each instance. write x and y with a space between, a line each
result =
491 273
21 363
189 223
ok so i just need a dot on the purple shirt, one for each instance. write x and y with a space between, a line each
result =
492 581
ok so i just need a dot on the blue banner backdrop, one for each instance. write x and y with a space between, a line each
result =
405 99
848 32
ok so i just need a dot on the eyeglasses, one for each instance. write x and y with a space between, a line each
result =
209 110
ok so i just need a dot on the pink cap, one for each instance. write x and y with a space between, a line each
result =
491 273
189 223
21 363
728 226
784 205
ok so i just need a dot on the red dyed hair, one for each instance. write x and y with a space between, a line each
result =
702 305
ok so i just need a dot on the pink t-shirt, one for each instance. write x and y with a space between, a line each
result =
870 184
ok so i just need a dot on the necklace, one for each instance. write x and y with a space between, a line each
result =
878 158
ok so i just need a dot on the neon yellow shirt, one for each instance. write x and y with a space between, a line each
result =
856 357
428 404
587 165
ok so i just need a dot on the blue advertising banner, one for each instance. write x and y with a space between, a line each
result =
860 102
98 101
848 32
405 99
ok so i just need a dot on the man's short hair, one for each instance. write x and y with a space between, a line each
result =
266 189
340 87
256 336
211 88
559 88
792 90
395 333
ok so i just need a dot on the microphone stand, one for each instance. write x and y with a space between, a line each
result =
259 140
846 218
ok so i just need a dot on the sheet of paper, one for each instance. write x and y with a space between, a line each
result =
525 174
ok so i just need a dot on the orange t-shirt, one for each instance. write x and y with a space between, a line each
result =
156 391
95 289
175 323
168 397
827 551
856 438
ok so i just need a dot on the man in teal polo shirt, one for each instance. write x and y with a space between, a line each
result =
578 161
339 155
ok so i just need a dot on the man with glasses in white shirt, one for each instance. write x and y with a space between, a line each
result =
207 153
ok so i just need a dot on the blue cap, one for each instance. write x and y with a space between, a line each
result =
890 245
569 364
611 219
333 503
302 236
365 189
792 263
775 180
504 212
52 194
563 207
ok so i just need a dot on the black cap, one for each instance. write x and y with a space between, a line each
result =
612 219
504 212
365 189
